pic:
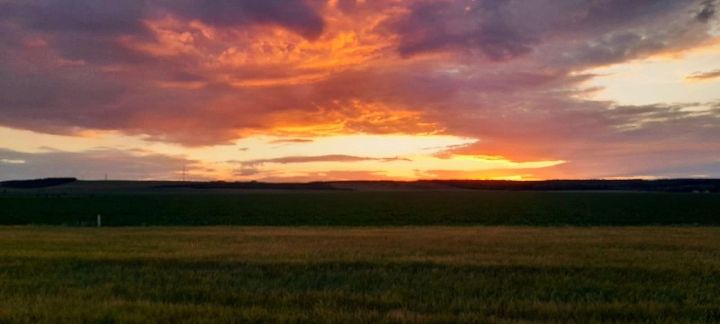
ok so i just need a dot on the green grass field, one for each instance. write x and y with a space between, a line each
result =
337 256
362 208
340 274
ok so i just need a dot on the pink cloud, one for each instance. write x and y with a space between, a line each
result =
197 72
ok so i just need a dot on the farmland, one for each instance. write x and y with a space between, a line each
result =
371 256
359 208
52 274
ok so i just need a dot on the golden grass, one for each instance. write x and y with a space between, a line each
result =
368 274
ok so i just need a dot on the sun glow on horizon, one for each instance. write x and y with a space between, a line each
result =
273 158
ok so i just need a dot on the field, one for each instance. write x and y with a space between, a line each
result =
367 256
50 274
323 208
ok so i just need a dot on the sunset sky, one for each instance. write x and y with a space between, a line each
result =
293 90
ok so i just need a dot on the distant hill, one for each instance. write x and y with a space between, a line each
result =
666 185
251 185
36 183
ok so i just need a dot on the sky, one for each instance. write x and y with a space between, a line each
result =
306 90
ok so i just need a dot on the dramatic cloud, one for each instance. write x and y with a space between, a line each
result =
701 76
503 30
510 74
124 17
294 15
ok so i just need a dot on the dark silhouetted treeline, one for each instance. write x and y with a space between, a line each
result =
666 185
36 183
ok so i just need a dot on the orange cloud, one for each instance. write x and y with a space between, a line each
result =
353 117
199 74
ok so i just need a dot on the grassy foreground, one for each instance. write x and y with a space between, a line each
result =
360 274
290 208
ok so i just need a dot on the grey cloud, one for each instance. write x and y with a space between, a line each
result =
707 12
503 30
93 164
335 175
318 158
448 25
107 17
253 167
295 15
77 97
89 30
709 75
246 171
114 17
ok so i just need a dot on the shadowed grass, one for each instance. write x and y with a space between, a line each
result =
370 274
363 208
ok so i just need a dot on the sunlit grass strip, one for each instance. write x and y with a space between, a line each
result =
373 274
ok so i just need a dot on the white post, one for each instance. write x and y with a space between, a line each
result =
99 220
